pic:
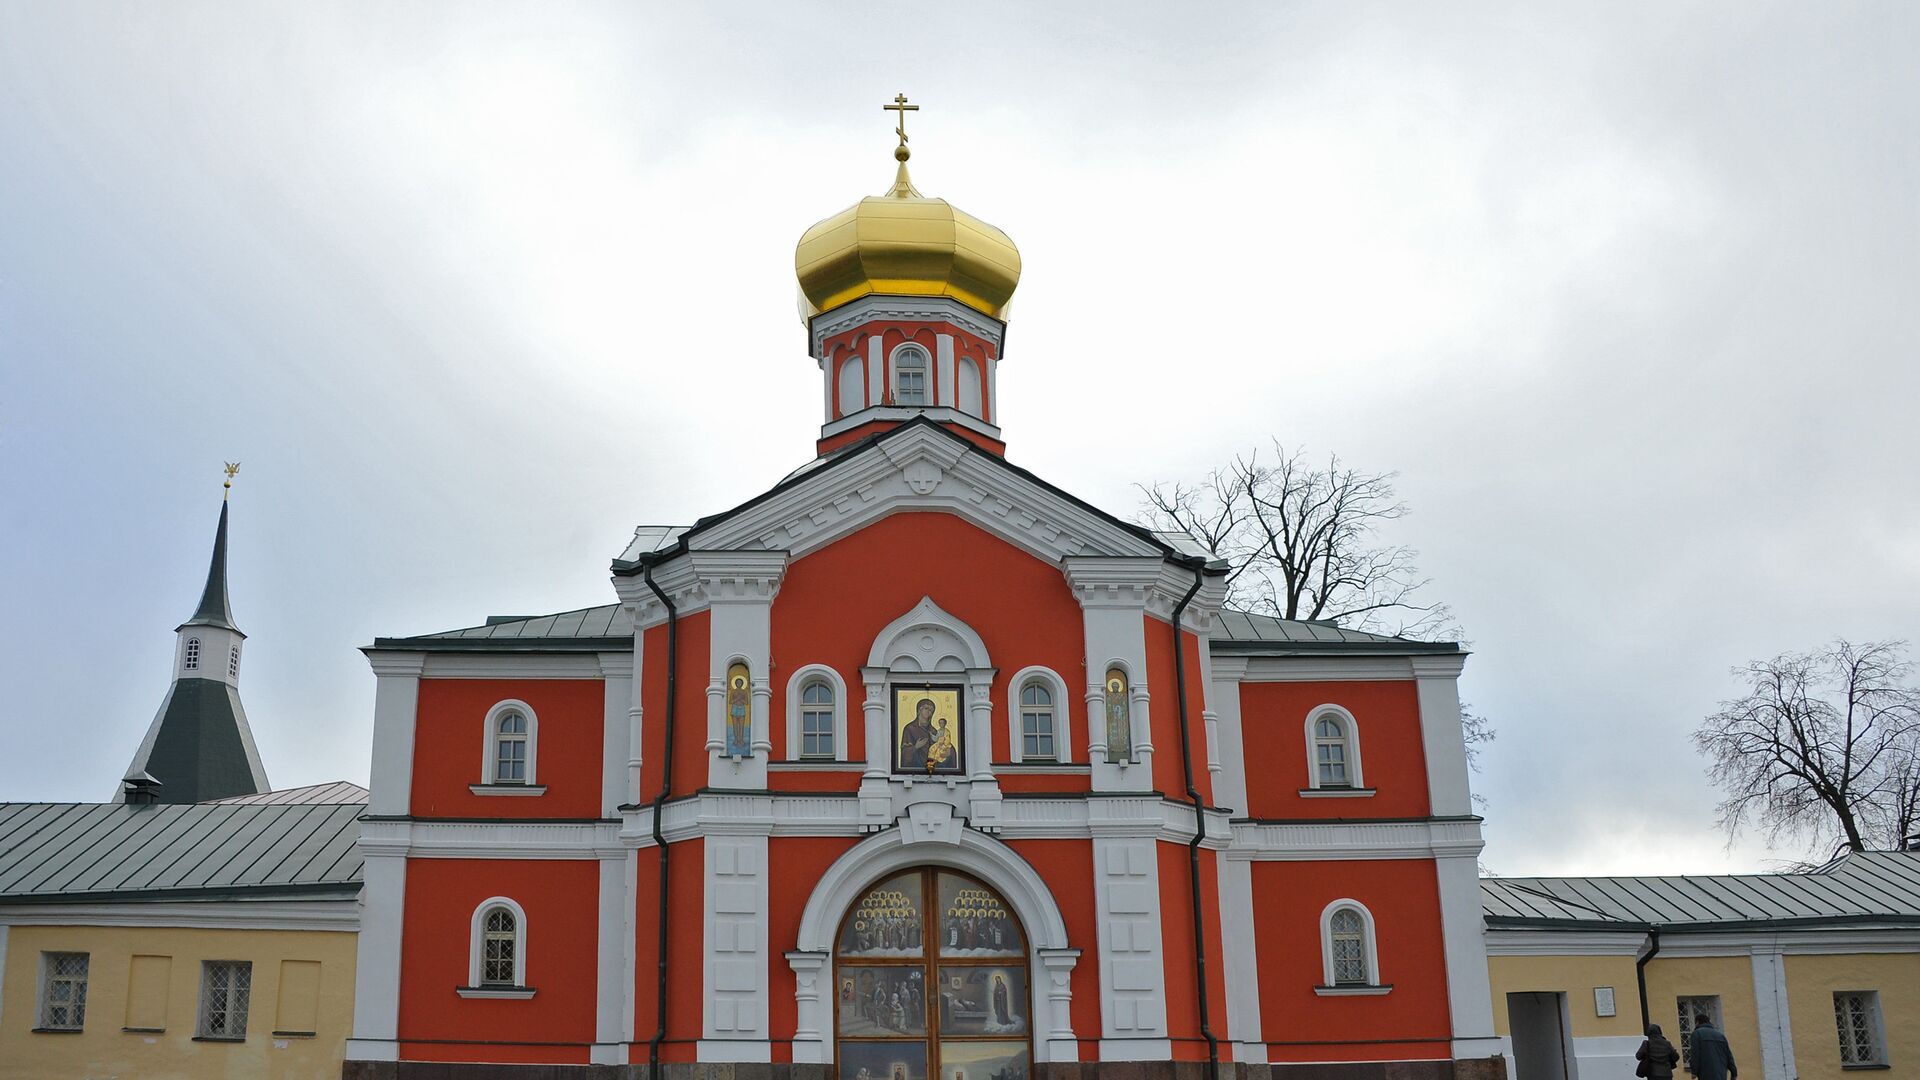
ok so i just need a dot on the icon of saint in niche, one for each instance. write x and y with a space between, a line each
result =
1119 718
916 739
927 734
739 713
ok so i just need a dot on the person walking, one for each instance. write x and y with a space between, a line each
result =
1656 1055
1709 1057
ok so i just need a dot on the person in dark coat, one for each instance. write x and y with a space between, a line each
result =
1657 1056
1710 1057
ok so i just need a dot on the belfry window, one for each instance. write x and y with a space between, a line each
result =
816 720
1036 722
910 376
233 662
192 662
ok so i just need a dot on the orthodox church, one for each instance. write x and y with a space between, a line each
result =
770 813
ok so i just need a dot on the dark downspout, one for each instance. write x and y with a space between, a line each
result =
659 838
1640 976
1199 833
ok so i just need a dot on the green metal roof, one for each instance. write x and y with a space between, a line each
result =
101 851
1878 888
1242 632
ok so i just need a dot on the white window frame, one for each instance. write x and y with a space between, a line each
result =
1062 720
1684 1007
926 373
1370 949
47 977
476 951
190 660
1876 1027
233 661
489 757
798 682
206 981
1356 776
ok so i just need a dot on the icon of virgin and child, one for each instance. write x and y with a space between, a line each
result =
928 739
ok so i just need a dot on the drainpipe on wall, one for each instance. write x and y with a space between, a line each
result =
1199 832
1640 976
659 837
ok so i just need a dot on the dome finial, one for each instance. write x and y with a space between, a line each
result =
902 186
232 468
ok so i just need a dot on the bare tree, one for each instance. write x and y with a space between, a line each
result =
1300 541
1822 747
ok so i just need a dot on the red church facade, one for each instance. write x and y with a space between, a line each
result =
915 766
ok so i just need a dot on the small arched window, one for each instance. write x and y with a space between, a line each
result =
233 662
512 750
1037 740
853 385
816 720
1333 750
1119 717
910 376
1348 950
192 662
497 952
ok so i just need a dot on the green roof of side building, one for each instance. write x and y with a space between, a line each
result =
1869 889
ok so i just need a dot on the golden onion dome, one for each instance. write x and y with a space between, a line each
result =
905 244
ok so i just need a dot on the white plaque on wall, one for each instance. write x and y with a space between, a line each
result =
1603 1001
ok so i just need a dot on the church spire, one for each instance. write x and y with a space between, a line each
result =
214 609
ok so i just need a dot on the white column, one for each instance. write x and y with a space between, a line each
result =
1055 1021
1223 698
616 671
809 1033
943 363
376 987
396 702
1771 1011
1437 682
1133 1017
876 371
734 1024
636 716
993 391
612 973
876 794
1463 933
1242 961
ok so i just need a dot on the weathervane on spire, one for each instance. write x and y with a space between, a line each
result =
232 468
901 108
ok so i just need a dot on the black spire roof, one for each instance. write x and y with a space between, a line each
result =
214 610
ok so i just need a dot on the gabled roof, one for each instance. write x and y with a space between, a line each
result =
1871 888
205 851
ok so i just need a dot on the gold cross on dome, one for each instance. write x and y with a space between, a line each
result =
901 107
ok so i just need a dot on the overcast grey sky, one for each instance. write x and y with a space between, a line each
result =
1625 292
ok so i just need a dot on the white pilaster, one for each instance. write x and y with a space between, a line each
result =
1469 992
396 703
376 987
1242 961
1437 680
1133 1017
734 1025
1054 1025
993 391
1223 699
1113 603
616 669
876 372
613 978
636 715
740 587
1771 1010
813 1014
943 365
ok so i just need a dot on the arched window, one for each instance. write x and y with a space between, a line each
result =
1347 949
497 953
511 751
1036 722
853 385
969 386
193 654
233 662
910 376
1333 750
1119 717
816 719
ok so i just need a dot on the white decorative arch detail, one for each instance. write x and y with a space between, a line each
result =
476 940
1355 774
1050 957
852 377
928 639
1062 715
488 757
1369 944
797 682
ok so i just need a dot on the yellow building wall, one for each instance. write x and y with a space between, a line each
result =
1811 982
1730 978
1576 977
161 988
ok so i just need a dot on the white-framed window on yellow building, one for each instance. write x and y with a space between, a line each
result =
63 991
226 990
1856 1013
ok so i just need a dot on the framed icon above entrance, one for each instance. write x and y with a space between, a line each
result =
928 736
931 983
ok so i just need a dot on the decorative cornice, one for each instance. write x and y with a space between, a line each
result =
1113 582
1334 840
532 839
1438 667
342 914
881 308
397 664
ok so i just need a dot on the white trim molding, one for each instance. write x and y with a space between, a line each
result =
476 939
1356 776
489 751
1062 715
1369 949
796 684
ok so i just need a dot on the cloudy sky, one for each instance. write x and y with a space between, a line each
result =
1625 293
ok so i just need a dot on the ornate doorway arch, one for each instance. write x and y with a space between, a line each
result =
931 982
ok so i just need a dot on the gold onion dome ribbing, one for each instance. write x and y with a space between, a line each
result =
905 244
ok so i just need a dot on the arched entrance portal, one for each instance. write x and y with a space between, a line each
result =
931 982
